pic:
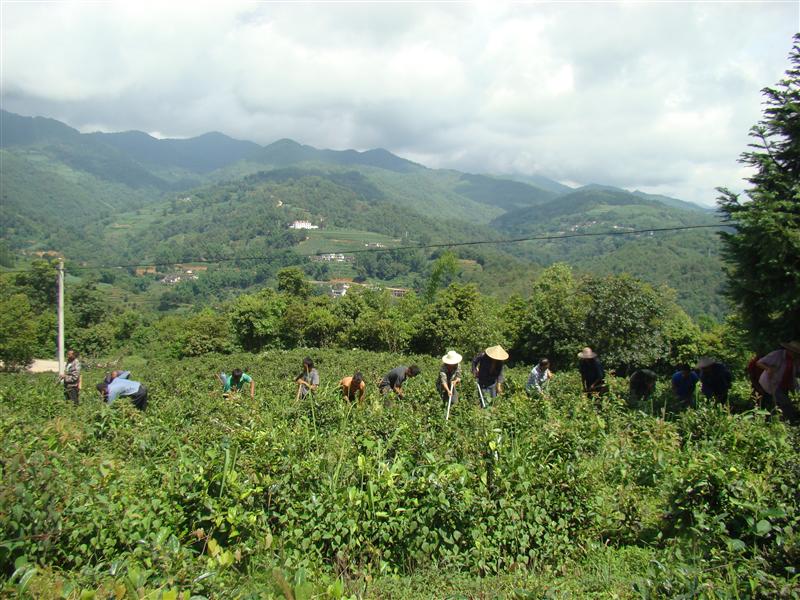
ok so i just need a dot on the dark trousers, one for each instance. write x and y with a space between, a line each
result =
446 398
721 397
71 394
787 408
139 397
490 391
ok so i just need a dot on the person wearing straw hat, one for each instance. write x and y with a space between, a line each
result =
781 369
488 367
715 379
449 377
593 377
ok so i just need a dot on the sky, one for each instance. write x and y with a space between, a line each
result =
656 96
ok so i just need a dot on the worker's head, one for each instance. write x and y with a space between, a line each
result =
102 387
684 369
308 364
357 379
113 375
71 355
236 375
412 371
544 363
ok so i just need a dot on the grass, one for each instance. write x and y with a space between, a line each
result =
341 240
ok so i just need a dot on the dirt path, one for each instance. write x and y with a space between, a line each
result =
44 366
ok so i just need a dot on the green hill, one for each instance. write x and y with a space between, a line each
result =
16 130
48 204
287 152
688 261
149 199
202 154
673 202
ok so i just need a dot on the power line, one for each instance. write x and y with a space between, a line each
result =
394 249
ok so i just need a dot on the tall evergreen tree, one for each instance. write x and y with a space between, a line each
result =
763 251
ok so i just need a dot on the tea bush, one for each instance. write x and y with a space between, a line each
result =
202 496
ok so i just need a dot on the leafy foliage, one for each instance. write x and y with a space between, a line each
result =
17 330
209 497
764 250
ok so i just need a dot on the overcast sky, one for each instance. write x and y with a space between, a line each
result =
654 96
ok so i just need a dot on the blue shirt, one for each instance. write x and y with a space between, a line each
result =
122 386
684 386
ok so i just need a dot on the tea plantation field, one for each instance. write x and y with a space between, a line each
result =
562 496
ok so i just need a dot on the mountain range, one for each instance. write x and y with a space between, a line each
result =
61 189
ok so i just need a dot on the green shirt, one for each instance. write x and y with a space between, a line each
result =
244 379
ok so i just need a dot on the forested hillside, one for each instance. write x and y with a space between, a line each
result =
688 261
145 200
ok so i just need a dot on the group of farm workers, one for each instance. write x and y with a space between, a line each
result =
487 367
116 384
773 378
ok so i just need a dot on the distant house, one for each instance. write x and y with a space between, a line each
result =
339 289
303 225
375 245
171 279
397 292
174 278
340 258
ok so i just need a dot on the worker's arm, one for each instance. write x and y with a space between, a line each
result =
361 390
252 389
80 382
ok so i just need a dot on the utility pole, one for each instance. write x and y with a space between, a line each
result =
60 316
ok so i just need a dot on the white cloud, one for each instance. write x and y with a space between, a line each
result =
643 95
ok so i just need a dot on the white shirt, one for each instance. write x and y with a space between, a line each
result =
538 378
771 381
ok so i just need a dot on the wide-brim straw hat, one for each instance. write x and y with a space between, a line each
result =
793 346
587 353
497 353
451 358
704 362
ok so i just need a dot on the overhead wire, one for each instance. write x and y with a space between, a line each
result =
545 237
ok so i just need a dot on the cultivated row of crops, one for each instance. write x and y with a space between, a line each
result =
275 497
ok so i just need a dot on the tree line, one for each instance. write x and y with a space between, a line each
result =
630 323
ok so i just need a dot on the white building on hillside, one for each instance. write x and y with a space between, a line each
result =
303 225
